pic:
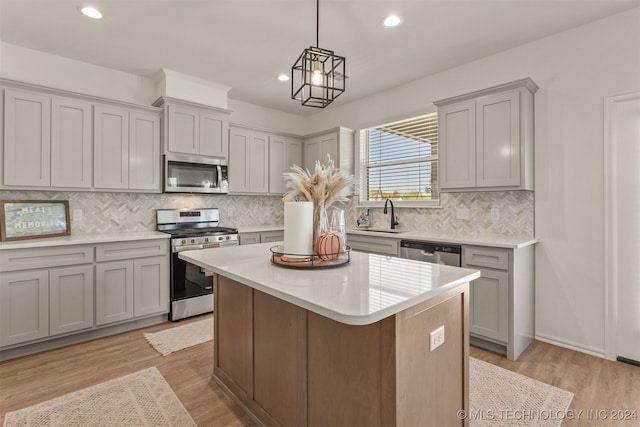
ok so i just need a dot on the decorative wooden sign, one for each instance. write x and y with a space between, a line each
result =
32 219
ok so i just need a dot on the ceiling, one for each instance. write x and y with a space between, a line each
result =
245 44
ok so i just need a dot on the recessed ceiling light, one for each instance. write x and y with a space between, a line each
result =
391 21
91 12
283 78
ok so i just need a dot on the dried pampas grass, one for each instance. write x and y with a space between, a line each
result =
324 187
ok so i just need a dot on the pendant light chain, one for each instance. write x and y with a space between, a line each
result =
318 23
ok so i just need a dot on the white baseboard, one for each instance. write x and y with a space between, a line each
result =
597 352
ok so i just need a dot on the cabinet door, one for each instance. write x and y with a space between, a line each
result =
114 291
312 153
111 148
329 147
24 306
489 305
457 145
213 135
293 154
71 143
151 286
70 299
498 140
184 129
27 139
144 151
259 163
277 166
238 154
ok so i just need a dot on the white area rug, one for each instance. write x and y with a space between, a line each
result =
140 399
499 397
178 338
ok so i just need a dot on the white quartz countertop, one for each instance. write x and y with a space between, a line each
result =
367 289
512 242
82 239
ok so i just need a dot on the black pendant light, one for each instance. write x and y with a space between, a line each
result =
318 76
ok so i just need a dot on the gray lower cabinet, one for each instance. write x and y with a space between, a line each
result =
501 312
374 244
51 292
261 237
38 300
127 288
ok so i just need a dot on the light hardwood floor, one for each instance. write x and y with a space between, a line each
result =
598 385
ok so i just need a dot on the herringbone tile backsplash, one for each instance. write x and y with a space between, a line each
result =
122 212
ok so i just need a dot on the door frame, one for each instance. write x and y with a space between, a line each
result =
611 224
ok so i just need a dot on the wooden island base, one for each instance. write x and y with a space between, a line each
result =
291 367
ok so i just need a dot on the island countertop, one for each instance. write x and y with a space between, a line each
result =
367 289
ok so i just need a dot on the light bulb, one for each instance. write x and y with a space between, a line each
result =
316 77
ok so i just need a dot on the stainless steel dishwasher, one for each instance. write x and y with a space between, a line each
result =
437 253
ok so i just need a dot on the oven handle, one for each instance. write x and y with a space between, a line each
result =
187 248
205 246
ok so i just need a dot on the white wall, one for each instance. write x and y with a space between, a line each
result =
44 69
575 70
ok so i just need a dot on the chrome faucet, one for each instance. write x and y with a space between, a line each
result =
394 219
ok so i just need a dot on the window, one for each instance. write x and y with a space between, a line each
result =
399 161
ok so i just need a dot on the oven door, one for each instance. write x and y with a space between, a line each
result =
191 289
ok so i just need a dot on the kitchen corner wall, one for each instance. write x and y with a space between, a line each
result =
124 212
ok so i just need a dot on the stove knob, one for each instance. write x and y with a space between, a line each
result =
220 238
183 241
206 240
193 240
227 237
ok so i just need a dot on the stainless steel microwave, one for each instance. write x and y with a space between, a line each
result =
191 174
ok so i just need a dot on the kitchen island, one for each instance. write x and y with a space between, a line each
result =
342 346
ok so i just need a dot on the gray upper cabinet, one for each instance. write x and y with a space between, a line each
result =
284 152
486 139
111 148
337 143
194 129
55 140
71 143
144 151
27 139
248 161
126 149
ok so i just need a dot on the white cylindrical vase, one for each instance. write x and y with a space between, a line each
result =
298 228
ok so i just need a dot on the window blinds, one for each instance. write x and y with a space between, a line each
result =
400 160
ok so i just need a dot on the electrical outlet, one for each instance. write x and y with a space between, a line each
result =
462 213
436 338
495 214
229 212
77 214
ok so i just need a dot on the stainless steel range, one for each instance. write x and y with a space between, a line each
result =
192 229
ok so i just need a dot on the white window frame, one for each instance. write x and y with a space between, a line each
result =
361 174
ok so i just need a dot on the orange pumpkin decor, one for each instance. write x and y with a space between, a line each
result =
329 245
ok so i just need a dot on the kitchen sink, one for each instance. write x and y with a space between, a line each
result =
382 230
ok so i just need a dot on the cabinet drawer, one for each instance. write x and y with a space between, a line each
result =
497 258
128 250
249 238
379 245
272 236
23 259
